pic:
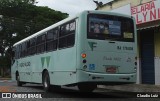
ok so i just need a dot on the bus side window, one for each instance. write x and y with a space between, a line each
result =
13 57
17 52
13 53
28 48
40 43
20 51
24 49
33 46
71 38
51 39
67 35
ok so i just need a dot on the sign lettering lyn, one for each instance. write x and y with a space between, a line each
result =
146 12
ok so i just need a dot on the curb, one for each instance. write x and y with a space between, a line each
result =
5 78
132 88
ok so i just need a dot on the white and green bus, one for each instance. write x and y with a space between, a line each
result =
90 49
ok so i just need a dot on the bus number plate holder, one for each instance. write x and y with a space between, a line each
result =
111 69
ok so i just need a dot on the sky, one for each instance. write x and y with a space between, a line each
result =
72 7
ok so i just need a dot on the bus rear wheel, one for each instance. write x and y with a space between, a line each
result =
87 87
46 82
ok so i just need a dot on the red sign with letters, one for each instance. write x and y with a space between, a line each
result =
146 12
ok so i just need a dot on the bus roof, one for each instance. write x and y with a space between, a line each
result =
46 29
68 19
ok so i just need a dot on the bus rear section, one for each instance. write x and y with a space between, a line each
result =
109 51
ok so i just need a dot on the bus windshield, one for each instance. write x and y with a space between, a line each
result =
108 27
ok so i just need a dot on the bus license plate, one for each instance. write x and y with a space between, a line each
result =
111 69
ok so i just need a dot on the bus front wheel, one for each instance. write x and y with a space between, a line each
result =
19 83
86 87
46 81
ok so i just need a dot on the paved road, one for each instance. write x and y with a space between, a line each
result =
66 94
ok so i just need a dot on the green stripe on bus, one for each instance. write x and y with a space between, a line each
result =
48 60
42 61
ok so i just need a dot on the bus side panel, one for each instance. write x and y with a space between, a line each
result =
24 69
65 64
66 60
36 68
42 62
64 67
62 78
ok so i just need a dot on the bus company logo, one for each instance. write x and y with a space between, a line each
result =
21 95
25 64
6 95
92 45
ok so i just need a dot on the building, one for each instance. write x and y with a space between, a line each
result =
147 15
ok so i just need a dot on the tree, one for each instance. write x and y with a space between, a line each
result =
22 18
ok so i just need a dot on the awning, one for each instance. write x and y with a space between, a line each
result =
148 25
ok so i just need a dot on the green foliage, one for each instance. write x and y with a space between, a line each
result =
23 18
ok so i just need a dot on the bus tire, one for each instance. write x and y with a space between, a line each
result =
86 87
56 88
19 83
46 82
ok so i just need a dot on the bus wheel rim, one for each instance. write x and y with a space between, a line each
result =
18 78
45 83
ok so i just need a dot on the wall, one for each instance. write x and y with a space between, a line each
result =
119 3
138 59
157 58
157 44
